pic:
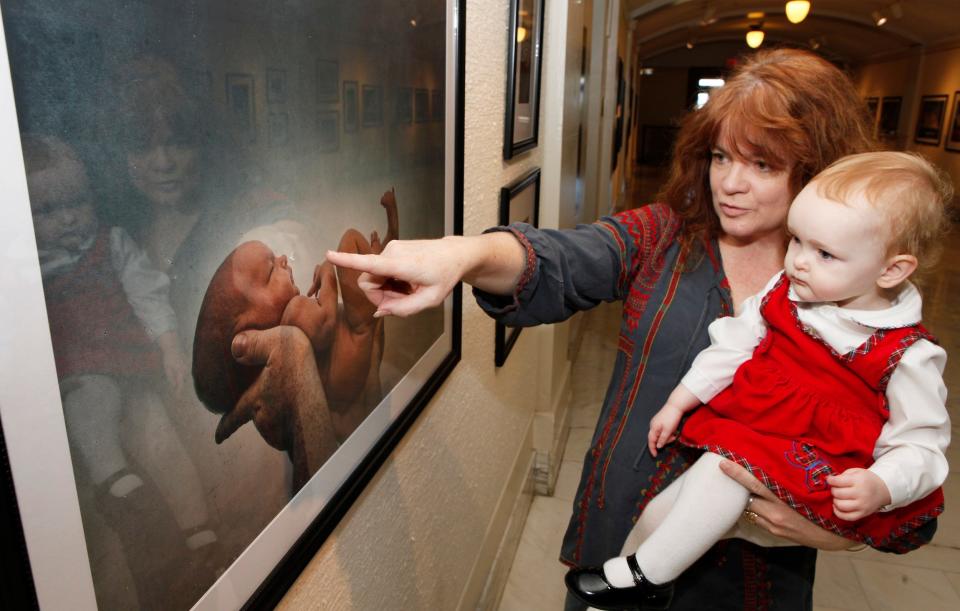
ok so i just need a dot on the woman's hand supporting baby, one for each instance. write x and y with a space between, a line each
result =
413 275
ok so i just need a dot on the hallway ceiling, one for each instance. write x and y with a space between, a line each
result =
843 30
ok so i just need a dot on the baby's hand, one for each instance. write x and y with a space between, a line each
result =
857 493
663 427
174 362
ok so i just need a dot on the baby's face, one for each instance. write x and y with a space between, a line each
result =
265 280
837 251
62 206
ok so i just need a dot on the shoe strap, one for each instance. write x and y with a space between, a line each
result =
638 577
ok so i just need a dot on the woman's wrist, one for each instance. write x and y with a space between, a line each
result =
492 262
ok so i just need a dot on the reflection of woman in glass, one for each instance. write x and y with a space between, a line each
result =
114 339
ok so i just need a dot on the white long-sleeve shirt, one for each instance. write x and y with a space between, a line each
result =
909 454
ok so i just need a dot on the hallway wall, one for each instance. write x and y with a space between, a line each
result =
425 532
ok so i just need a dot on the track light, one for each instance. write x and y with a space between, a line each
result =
709 16
755 36
797 10
879 18
690 43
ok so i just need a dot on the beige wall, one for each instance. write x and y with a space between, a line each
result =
424 532
934 72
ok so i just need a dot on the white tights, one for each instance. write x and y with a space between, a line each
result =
680 524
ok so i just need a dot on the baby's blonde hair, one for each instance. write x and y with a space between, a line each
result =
910 191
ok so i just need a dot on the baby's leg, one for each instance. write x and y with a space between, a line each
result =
357 308
707 506
389 202
653 515
92 411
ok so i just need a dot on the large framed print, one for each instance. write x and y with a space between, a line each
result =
146 224
519 203
888 124
953 128
522 117
930 117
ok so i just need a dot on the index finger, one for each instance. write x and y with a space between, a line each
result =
743 477
372 264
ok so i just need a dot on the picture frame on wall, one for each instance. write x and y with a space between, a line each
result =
240 105
351 106
888 125
522 120
199 505
403 106
873 108
372 106
519 203
328 81
276 86
953 127
930 117
436 105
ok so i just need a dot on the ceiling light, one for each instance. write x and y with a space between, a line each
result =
797 10
709 16
814 44
755 15
755 36
690 44
521 34
878 18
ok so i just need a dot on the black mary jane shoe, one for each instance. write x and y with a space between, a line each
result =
589 586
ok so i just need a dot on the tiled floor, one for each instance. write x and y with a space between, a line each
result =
927 579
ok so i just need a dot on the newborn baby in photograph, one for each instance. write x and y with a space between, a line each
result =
254 289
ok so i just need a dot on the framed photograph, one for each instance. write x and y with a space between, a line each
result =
240 105
421 105
276 86
436 105
873 105
930 119
519 203
953 128
133 474
351 106
889 123
372 108
328 81
522 119
403 108
328 131
279 129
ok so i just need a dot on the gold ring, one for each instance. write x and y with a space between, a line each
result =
750 516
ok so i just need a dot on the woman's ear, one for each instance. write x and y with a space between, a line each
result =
898 269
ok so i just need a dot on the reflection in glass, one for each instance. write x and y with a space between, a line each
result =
158 137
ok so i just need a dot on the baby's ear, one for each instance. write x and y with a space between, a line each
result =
898 269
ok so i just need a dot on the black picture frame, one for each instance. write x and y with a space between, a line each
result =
930 115
328 131
20 588
328 81
524 60
952 139
519 202
888 124
371 108
279 129
436 105
276 86
421 105
351 107
403 106
241 105
873 109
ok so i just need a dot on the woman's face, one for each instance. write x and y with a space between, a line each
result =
165 170
750 198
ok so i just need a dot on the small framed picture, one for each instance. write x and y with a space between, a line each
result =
351 110
328 81
930 119
873 105
436 105
279 133
372 107
328 131
519 203
240 102
953 128
523 77
889 124
421 105
403 110
276 86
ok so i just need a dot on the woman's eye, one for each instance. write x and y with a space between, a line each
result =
717 156
761 165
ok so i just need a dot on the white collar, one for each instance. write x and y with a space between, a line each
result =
905 310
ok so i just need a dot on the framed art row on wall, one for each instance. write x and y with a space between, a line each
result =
145 225
524 58
519 203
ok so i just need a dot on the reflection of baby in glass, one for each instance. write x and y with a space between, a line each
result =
254 289
114 337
